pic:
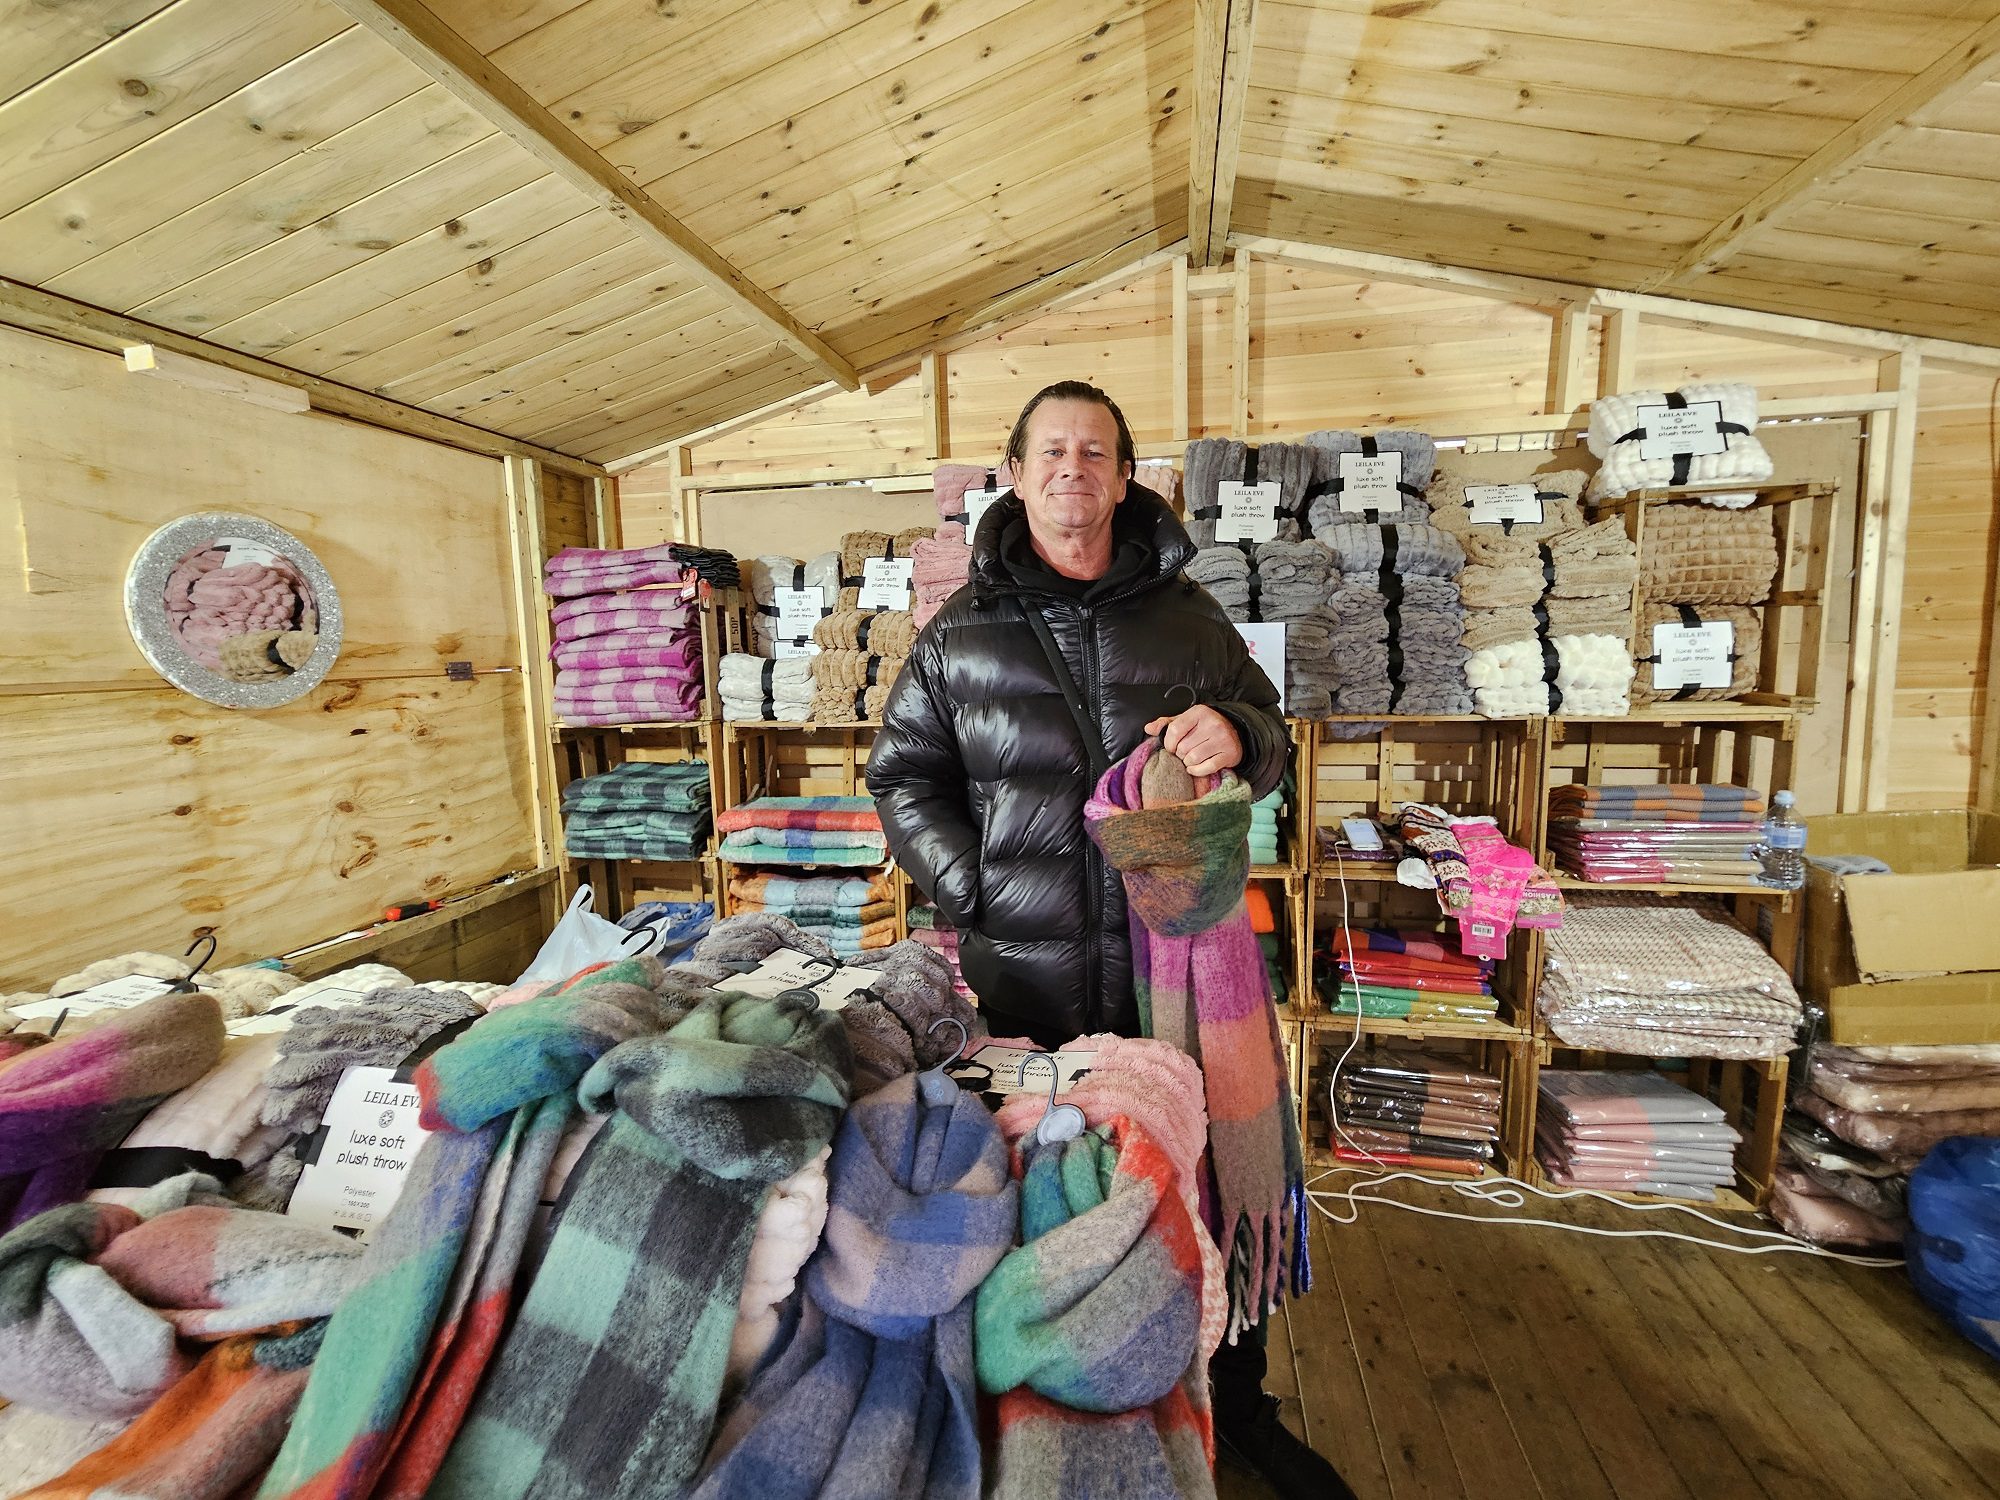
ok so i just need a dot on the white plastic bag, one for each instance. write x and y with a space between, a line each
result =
582 938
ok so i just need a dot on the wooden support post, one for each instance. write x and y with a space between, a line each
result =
1900 373
1618 359
937 401
1181 332
531 607
607 520
1239 349
680 467
1569 333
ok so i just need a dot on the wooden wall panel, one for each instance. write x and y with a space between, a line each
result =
1673 354
839 431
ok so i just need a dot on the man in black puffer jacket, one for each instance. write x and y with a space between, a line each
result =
981 769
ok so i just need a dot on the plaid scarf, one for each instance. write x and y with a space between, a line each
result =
607 1386
1181 845
874 1394
405 1348
1089 1333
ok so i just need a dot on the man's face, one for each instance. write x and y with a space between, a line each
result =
1071 479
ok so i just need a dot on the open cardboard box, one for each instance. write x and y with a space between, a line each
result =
1912 957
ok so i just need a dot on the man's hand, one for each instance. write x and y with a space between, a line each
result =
1203 738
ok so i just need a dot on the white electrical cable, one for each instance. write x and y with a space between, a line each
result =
1510 1192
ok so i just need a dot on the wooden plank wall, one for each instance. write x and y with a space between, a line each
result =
136 816
1330 349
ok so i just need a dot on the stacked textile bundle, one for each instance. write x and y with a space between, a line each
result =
240 991
1659 978
849 914
860 653
1417 455
1264 922
1337 853
760 688
942 563
803 831
766 576
1726 413
857 548
1553 496
1549 621
625 652
1410 1109
1673 834
928 926
1484 883
1266 814
1703 569
1213 462
714 567
1398 618
1632 1132
1405 973
639 810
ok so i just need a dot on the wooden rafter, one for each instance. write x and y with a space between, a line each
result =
1961 70
1222 39
449 60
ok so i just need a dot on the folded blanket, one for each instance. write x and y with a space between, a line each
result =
1486 628
825 918
667 652
1225 573
1598 615
593 682
1617 434
1407 548
842 672
766 575
588 570
750 678
1746 649
824 813
1419 455
779 891
949 482
856 547
664 609
1502 574
875 632
1290 579
1556 493
1702 555
1212 462
849 705
662 786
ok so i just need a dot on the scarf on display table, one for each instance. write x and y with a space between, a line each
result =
1181 844
874 1393
608 1385
1089 1333
407 1348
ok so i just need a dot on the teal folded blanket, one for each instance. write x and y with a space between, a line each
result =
749 851
680 786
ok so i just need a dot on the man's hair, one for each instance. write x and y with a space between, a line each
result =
1070 390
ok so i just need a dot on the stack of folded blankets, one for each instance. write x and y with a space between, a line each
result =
1398 618
1549 621
1867 1117
1264 923
712 566
860 653
929 927
1557 495
1617 435
1405 974
1410 1109
1213 462
626 652
1675 834
769 574
1291 583
640 810
763 689
1266 815
1705 567
1484 883
943 562
803 831
851 914
1632 1132
1417 451
1660 978
857 547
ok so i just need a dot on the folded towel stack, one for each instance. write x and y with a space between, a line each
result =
1267 813
1411 1109
1412 476
1632 1132
1679 834
825 906
1312 673
929 927
1725 412
1553 625
767 575
803 831
874 632
858 547
851 687
761 689
639 810
1408 973
1287 583
1528 510
1213 462
944 561
1398 619
625 652
715 568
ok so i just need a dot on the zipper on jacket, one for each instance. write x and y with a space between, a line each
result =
1093 866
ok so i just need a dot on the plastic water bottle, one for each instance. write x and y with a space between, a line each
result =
1783 852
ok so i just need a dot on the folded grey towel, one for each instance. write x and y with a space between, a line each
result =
1421 549
1214 461
1419 456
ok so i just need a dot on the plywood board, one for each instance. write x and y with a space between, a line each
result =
805 522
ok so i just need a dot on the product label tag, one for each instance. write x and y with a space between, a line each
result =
993 1069
1249 511
371 1136
1370 483
787 650
977 503
799 610
1496 504
1266 645
885 583
243 551
1693 656
1693 429
788 969
113 994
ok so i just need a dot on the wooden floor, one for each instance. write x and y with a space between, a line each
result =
1439 1359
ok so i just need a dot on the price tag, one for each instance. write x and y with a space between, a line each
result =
242 551
1370 483
787 650
977 503
1694 429
1266 644
885 583
799 610
1249 511
369 1135
789 969
993 1069
1693 656
1495 504
113 994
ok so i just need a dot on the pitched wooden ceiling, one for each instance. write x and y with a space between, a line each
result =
600 225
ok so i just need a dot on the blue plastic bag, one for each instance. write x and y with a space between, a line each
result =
1954 1242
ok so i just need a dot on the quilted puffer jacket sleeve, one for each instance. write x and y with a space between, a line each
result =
918 779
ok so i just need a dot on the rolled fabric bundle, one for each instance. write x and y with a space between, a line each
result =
1746 649
1421 550
1507 679
1558 492
768 574
856 547
1699 555
848 705
1616 433
843 671
1503 575
1594 675
875 632
1225 573
1599 614
1496 627
1212 462
949 482
1419 454
1292 579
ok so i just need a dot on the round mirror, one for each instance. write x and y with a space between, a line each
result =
234 610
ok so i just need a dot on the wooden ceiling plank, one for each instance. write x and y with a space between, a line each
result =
1922 266
1223 33
1973 155
712 405
644 397
1963 68
445 56
778 408
168 67
1969 234
44 39
491 24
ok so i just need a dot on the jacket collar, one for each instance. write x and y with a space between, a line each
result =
1142 516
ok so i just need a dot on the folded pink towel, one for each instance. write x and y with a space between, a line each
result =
591 656
664 604
590 680
611 580
945 559
590 716
949 482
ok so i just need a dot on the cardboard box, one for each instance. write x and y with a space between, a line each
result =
1913 957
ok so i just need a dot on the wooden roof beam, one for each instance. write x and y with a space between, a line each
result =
1961 70
446 58
1223 32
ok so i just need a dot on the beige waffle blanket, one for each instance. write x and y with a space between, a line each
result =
1748 649
1701 555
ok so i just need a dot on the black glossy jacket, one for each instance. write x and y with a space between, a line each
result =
980 773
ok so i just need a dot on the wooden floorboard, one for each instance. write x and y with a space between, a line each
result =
1438 1359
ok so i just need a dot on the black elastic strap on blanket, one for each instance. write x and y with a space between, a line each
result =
1214 512
1091 735
770 707
1551 665
861 703
769 674
1391 584
443 1037
142 1166
874 663
1541 604
1548 569
1508 523
1255 605
861 632
1682 461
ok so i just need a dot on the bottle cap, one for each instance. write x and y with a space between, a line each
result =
1781 799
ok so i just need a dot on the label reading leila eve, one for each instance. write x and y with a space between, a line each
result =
1693 429
1370 483
1496 504
1249 511
885 583
799 610
977 503
372 1136
1694 656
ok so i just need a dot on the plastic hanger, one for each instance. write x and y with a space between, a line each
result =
1059 1122
934 1084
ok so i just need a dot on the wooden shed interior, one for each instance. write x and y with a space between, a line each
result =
442 288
